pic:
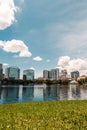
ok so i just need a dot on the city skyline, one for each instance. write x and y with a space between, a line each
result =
14 72
43 34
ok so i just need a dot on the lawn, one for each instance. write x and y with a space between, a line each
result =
48 115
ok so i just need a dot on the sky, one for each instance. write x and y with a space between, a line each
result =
44 34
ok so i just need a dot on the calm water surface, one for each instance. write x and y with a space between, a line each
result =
30 93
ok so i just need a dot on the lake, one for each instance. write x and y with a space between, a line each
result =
31 93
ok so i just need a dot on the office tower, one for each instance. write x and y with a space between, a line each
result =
28 74
1 72
75 74
54 74
46 74
63 74
13 73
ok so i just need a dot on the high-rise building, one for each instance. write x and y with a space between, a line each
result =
46 74
52 74
63 74
28 74
75 74
13 73
55 74
1 72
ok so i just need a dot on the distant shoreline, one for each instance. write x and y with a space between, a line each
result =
36 81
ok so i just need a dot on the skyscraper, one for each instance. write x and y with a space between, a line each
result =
45 74
1 72
52 74
55 74
28 74
13 73
63 74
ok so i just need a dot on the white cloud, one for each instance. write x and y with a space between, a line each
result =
73 64
32 68
64 61
5 64
7 13
15 46
37 58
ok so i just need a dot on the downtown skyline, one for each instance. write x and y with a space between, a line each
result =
44 34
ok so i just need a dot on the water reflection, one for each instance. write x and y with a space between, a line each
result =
28 93
63 92
74 92
50 92
20 93
83 93
9 94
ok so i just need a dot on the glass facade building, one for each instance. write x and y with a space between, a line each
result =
75 74
13 73
52 74
28 74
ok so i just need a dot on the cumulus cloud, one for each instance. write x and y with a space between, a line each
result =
37 58
7 13
32 68
64 61
15 46
73 64
5 64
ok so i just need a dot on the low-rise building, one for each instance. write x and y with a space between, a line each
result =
75 74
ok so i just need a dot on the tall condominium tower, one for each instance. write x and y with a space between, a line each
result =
55 74
63 74
52 74
45 74
13 72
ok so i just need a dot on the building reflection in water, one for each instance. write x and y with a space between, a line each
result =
74 92
9 94
83 92
55 92
16 93
63 92
28 93
20 93
38 93
50 92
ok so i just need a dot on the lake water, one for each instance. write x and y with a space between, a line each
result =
31 93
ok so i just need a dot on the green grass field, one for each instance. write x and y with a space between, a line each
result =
49 115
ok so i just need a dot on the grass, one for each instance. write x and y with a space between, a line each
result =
48 115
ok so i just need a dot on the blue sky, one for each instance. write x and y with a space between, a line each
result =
43 34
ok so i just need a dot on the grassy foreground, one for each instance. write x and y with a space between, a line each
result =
49 115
